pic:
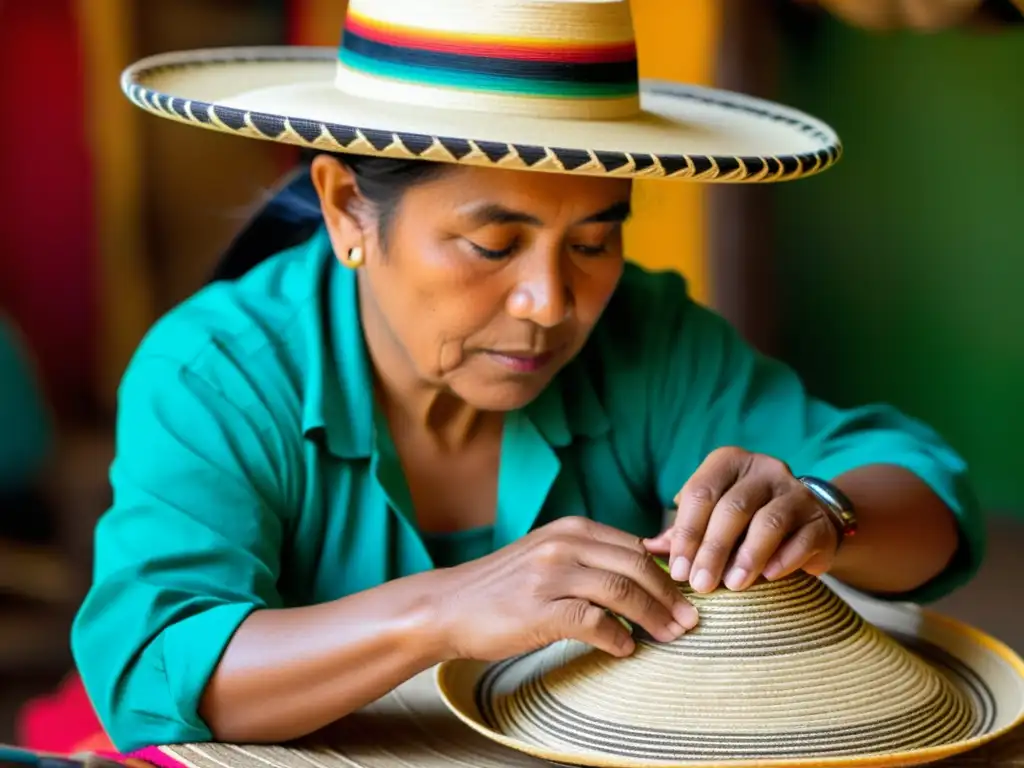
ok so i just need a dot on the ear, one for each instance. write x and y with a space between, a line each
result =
341 204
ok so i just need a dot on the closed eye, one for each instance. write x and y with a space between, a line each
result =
590 250
493 255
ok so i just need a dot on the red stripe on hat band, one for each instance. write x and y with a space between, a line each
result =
494 47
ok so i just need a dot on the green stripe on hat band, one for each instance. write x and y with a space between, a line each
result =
504 84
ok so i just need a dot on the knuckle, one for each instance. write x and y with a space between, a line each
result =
727 452
775 520
686 533
736 507
573 526
714 549
700 495
808 537
578 613
774 466
551 551
617 587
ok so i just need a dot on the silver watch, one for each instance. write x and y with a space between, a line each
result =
835 502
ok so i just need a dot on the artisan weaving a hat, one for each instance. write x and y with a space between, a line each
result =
391 490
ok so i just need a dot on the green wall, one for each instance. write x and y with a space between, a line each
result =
902 270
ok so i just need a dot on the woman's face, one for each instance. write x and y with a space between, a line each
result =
489 280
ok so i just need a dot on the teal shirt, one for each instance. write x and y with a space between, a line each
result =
252 470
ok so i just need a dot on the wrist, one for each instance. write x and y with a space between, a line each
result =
427 625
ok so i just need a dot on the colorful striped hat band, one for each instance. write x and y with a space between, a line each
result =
575 60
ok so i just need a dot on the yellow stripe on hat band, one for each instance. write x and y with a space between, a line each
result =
509 63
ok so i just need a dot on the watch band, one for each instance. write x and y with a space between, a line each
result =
835 502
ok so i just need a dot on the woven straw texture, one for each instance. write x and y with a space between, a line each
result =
537 85
686 133
781 673
782 669
413 728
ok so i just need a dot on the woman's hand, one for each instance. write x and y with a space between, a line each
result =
753 501
555 584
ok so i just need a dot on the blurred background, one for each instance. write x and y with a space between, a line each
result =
897 276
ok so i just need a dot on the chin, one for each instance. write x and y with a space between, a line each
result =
502 396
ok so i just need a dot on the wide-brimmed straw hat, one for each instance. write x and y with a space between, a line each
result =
783 674
544 85
790 674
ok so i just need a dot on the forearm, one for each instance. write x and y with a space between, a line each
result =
906 534
287 673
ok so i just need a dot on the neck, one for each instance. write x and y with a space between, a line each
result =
415 408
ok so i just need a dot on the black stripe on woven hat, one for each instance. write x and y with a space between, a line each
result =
784 670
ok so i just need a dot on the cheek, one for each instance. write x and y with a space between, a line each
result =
436 308
595 287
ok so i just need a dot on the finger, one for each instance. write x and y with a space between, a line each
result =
660 544
729 522
768 529
696 501
591 530
581 620
640 569
815 538
819 564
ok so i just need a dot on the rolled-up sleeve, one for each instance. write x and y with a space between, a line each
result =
189 548
708 388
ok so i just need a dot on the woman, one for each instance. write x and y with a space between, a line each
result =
448 422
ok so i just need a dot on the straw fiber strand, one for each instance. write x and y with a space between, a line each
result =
160 85
931 681
783 669
410 727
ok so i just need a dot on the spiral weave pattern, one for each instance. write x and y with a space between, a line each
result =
781 670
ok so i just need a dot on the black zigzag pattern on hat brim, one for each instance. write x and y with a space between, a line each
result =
334 137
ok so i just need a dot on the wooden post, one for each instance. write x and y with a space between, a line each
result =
126 298
740 235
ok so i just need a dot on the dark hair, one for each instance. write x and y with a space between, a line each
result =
292 213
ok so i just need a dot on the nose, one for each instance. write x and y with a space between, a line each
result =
542 294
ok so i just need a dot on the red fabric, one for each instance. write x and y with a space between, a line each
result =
46 198
62 723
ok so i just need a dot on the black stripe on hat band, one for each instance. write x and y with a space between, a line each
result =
624 74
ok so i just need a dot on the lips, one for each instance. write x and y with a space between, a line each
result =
522 362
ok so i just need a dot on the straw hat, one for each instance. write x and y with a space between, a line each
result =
543 85
786 673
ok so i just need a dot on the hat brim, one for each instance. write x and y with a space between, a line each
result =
288 94
989 672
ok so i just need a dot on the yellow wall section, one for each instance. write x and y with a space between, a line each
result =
125 298
678 41
319 21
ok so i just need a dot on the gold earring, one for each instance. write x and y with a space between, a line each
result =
354 259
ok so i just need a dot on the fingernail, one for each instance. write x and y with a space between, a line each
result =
686 615
676 629
702 581
736 578
680 568
625 644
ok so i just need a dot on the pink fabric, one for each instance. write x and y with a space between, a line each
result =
153 756
63 722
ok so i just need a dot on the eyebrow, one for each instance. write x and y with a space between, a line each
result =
492 213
